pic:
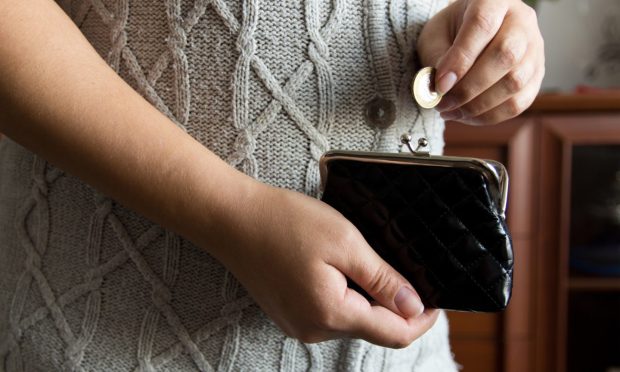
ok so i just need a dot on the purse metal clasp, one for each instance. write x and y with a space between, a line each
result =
405 139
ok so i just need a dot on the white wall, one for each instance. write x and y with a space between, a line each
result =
574 34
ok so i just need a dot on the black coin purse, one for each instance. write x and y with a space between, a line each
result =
438 220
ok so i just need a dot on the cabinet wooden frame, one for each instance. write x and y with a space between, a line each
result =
559 133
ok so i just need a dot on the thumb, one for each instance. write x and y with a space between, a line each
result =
384 284
435 39
433 45
476 27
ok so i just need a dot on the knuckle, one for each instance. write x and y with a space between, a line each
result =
463 58
345 238
348 236
485 21
515 81
530 13
382 283
513 107
508 52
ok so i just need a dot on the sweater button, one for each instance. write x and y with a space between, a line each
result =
380 112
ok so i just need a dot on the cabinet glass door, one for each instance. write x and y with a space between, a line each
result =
593 334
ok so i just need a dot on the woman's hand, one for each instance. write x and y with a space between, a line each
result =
489 57
61 100
293 254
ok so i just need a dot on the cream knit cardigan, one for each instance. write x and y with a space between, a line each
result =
86 284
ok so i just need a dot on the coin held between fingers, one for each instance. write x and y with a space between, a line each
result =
423 88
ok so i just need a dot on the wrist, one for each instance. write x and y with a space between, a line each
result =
224 210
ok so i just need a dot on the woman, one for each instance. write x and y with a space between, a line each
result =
232 105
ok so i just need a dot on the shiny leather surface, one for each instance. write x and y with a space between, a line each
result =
437 226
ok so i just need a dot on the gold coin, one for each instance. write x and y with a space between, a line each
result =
423 88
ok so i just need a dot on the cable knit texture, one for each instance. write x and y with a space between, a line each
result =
86 284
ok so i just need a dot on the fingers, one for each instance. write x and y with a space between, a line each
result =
434 40
481 21
503 54
380 280
514 82
505 78
349 314
357 318
510 108
380 326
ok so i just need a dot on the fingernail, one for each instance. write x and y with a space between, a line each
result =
446 82
408 302
452 115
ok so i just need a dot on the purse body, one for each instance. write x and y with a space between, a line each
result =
439 221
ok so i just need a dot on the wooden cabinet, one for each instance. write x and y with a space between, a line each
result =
561 136
533 334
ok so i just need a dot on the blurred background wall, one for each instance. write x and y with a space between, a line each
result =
582 43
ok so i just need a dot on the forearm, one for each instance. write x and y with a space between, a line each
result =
292 253
59 99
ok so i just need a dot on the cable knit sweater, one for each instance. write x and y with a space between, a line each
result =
86 284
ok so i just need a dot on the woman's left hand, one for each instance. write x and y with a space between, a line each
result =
489 59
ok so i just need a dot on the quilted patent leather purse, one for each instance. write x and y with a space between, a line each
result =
438 220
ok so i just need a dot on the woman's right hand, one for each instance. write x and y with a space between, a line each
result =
293 254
